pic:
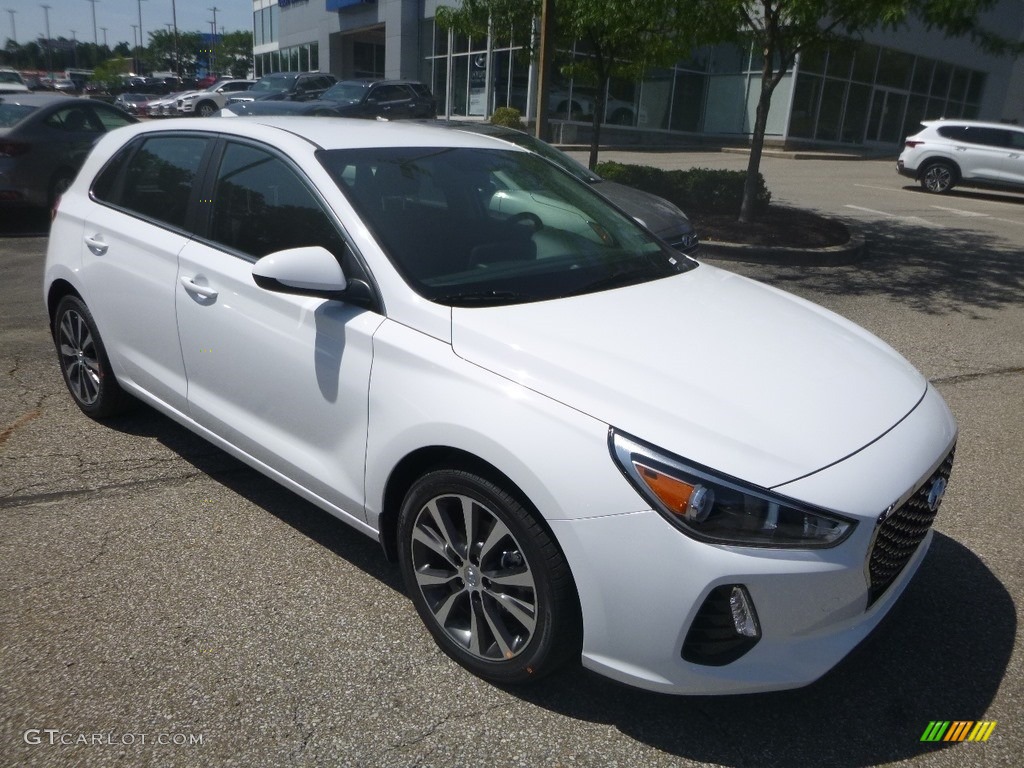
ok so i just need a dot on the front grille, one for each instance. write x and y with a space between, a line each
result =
898 536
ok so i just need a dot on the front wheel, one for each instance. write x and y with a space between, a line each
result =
939 177
491 585
206 109
83 361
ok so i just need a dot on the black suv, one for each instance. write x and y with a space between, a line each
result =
393 99
287 86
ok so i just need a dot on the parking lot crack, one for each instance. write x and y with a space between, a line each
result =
960 378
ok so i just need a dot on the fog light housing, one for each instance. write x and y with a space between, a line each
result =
724 628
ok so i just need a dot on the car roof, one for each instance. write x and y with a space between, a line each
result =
326 133
34 99
970 123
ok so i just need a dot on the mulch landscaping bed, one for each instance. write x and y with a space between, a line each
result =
779 226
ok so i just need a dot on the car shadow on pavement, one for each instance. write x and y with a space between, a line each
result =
928 269
941 654
1006 196
247 483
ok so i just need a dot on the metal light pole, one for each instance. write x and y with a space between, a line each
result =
14 32
49 54
213 42
104 37
174 19
74 49
95 37
141 38
135 49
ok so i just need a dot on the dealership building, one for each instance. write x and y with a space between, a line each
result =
871 91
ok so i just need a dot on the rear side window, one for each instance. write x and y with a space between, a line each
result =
261 205
156 179
955 132
111 119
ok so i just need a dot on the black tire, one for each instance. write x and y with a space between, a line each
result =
84 363
205 108
503 605
939 177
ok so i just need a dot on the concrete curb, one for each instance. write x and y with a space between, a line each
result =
851 252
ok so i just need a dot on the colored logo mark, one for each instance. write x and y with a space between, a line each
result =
958 730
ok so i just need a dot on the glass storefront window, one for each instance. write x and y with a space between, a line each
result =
895 68
857 99
805 106
864 64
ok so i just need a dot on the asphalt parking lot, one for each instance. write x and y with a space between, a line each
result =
164 605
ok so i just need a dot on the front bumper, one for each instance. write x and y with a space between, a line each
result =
642 582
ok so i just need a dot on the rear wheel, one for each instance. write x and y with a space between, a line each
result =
939 177
83 361
491 585
206 109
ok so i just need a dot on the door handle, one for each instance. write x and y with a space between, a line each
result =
96 245
200 290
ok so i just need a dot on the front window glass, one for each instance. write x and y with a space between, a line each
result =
260 205
472 226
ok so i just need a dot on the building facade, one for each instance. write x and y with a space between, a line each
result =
867 92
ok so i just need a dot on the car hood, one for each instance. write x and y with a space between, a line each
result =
708 365
659 215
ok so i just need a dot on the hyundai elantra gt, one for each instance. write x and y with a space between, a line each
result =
577 442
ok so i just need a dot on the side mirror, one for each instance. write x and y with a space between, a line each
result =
309 271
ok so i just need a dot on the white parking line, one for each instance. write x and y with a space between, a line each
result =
908 219
884 189
959 212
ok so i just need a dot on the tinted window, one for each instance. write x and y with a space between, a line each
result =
390 93
1017 139
261 205
75 120
991 137
470 226
955 132
156 181
111 119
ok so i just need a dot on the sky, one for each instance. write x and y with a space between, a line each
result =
29 19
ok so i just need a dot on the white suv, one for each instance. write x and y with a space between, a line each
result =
210 101
967 152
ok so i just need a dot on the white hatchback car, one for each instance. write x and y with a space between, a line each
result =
947 153
576 441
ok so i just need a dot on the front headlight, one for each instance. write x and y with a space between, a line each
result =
722 509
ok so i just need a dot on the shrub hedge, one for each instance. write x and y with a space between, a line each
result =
699 190
510 117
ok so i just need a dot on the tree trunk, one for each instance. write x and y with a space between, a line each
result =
595 139
764 103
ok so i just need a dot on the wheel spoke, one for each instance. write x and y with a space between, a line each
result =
435 577
475 628
519 577
433 541
445 527
521 611
498 532
499 631
443 609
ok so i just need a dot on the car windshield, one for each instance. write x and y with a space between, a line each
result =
345 92
12 114
545 150
10 77
472 227
274 83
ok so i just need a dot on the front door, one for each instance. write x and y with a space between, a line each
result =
283 378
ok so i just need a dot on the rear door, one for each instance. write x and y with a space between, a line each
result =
130 253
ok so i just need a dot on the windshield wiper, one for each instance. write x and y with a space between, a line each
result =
468 298
622 278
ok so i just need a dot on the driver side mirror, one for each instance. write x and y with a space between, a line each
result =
311 270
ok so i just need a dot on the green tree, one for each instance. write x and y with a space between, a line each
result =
620 39
781 29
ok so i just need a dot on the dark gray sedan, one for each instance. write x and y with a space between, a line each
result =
44 139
